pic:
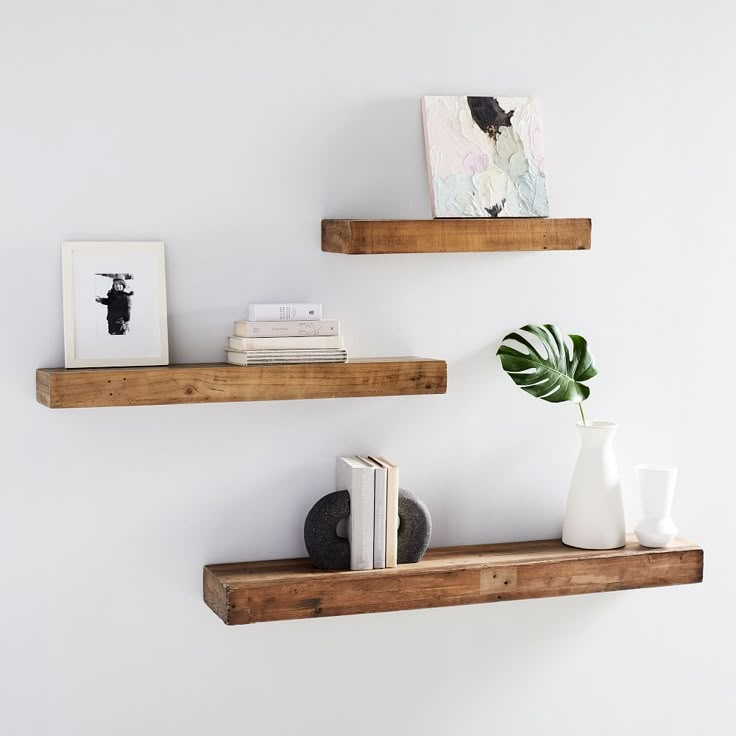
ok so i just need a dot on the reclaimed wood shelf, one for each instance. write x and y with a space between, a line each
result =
366 237
60 388
251 592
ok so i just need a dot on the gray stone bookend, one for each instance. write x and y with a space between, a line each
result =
415 528
326 549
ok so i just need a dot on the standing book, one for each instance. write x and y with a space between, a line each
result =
379 513
392 510
354 476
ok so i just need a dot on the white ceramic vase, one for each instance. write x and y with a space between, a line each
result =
657 488
594 518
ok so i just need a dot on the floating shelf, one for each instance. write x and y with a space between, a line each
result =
251 592
364 237
60 388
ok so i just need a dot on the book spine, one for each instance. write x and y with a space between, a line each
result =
264 357
288 328
379 520
361 519
392 516
278 312
284 343
357 479
286 361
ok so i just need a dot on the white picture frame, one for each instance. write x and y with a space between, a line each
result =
114 304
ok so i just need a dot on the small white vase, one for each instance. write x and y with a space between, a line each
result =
594 518
657 488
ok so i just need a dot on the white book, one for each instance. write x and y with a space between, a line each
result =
284 343
358 479
288 328
285 357
392 511
379 514
278 312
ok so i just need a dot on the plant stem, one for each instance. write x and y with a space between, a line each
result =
582 413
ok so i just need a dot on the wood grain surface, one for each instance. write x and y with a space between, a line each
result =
250 592
217 382
363 237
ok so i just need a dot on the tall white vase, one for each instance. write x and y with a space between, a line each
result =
657 488
594 518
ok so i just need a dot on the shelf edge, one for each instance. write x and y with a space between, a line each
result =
290 589
455 235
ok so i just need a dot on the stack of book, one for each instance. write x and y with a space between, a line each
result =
284 334
373 484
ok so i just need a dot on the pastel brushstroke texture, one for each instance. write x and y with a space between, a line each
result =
485 156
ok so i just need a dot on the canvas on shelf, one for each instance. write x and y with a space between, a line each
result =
114 304
485 156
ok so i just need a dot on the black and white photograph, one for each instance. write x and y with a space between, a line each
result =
118 302
114 304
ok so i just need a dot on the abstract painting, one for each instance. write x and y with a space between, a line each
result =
485 156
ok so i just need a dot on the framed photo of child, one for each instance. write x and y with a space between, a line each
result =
114 304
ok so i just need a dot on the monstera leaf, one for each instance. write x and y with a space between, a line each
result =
555 374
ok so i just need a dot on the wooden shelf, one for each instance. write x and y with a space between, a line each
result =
251 592
363 237
60 388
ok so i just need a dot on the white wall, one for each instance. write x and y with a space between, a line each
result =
229 129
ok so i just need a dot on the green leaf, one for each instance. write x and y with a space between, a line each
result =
556 371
